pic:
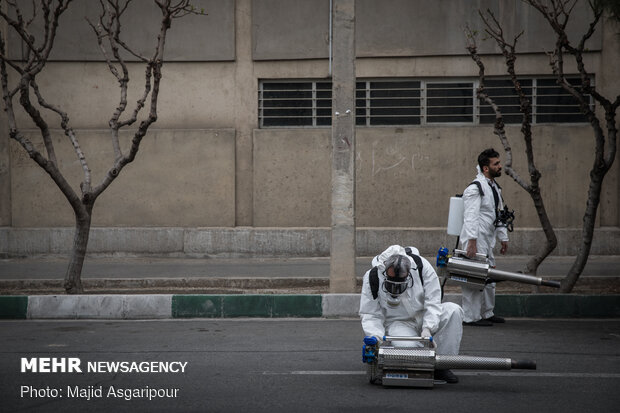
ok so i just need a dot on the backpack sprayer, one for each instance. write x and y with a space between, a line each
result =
415 366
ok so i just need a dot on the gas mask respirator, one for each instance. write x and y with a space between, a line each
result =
398 284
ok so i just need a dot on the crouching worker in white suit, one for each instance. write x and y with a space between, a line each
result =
399 300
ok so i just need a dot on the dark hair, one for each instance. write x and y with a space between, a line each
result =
483 158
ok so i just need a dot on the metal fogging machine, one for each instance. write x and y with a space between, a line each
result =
411 366
460 268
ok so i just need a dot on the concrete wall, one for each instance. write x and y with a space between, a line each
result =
209 37
292 178
299 29
192 95
205 166
405 177
249 242
187 181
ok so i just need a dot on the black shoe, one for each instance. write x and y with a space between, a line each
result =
446 375
479 323
496 319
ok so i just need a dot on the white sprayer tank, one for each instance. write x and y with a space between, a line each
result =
455 216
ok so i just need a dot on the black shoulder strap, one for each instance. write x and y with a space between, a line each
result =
479 187
500 188
418 262
373 279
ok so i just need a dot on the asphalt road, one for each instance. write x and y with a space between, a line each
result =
297 365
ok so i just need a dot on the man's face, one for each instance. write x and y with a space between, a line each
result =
494 169
395 285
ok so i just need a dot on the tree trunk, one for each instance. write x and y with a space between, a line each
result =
589 219
73 281
532 188
551 240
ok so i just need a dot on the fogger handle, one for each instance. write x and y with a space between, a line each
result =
407 338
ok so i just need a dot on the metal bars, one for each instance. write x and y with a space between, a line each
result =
410 102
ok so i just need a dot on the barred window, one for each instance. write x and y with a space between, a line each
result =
554 104
388 103
550 102
404 102
295 104
323 99
450 102
506 98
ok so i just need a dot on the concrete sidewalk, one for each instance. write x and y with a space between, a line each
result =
54 267
140 275
154 287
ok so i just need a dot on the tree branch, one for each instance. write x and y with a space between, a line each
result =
151 88
499 127
70 134
494 30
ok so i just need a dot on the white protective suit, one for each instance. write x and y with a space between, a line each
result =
479 224
420 307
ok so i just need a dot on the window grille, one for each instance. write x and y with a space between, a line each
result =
404 102
388 103
505 97
323 116
450 102
295 104
554 104
550 102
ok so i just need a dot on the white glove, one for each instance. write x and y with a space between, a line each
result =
427 333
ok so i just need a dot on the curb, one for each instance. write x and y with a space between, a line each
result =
166 306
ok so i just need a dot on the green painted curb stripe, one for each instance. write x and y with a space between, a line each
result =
246 305
13 307
276 305
558 305
297 306
187 306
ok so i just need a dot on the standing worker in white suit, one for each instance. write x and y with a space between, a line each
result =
483 202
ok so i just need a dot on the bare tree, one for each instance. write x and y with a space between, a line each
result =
38 48
532 187
557 13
